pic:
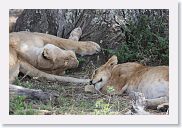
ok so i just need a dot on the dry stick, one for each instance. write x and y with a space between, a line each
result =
24 76
39 112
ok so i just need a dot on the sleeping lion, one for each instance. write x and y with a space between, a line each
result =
44 55
131 77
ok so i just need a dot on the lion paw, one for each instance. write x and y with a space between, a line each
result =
88 48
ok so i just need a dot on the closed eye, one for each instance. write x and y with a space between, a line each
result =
91 82
100 80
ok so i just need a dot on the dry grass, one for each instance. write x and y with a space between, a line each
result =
72 100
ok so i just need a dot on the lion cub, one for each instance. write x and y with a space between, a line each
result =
131 77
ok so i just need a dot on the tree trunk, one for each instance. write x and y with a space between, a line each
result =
112 29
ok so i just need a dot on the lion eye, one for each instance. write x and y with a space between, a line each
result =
100 80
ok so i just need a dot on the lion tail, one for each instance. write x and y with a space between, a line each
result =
33 72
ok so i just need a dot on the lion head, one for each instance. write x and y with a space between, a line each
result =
102 74
52 57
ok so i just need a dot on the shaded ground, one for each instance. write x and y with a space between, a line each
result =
71 100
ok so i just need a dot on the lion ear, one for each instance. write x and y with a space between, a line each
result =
112 61
47 55
66 60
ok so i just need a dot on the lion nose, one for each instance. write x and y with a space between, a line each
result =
90 82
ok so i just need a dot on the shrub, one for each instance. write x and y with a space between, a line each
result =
146 40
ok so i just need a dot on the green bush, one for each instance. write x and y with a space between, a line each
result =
146 41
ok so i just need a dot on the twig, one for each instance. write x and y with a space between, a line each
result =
24 76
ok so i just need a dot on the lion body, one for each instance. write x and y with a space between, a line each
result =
45 53
131 77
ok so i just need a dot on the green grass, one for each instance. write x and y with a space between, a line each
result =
72 100
18 106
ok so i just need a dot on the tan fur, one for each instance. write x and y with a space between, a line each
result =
131 77
12 21
41 39
44 53
76 34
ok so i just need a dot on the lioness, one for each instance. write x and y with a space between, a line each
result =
41 55
131 77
